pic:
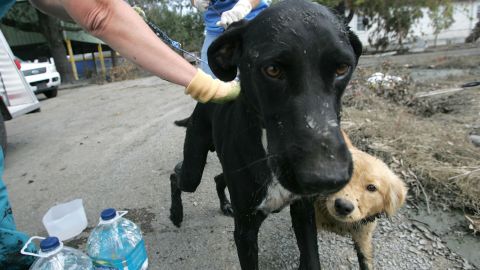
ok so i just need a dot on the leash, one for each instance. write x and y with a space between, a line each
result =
164 37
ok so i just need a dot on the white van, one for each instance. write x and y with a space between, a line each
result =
42 76
16 96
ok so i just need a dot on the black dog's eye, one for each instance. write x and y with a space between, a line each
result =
342 69
272 71
371 188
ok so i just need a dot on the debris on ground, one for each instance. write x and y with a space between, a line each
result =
380 80
474 223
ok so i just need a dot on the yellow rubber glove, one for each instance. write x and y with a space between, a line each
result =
204 88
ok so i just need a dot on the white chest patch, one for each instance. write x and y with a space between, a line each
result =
277 196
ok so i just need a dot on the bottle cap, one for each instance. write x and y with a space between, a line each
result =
108 214
49 243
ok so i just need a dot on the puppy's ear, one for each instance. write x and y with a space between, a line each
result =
396 196
347 139
224 52
356 44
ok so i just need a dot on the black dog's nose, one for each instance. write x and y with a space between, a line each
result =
343 207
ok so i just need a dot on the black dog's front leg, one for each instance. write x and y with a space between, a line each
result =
302 213
176 208
246 239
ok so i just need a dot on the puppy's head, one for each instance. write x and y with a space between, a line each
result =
374 189
295 60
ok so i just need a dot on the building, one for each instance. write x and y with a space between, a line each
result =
465 15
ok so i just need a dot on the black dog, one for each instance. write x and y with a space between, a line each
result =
279 143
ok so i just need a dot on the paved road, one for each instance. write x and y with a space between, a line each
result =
114 145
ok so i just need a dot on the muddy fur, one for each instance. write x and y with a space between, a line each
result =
354 209
283 126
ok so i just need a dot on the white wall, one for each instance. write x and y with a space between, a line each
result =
465 16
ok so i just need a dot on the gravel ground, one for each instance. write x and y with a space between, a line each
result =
114 145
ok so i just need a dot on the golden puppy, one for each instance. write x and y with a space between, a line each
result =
374 190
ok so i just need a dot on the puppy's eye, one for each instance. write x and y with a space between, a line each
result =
272 71
342 69
371 188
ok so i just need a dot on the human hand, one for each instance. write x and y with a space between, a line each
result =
238 12
204 89
201 5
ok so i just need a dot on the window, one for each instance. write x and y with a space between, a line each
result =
478 12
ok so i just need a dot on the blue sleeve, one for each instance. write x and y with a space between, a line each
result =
11 240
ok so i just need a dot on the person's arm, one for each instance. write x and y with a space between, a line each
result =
53 8
117 24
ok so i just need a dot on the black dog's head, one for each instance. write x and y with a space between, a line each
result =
295 60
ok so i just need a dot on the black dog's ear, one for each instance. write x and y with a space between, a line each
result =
356 43
224 52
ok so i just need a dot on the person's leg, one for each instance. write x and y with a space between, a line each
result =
209 38
11 240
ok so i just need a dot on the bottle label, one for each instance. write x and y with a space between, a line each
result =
133 261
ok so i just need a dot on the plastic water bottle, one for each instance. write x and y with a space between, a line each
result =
117 243
54 256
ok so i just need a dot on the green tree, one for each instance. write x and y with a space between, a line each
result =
177 19
392 20
180 23
441 14
26 18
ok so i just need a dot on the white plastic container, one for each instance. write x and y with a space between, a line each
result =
66 220
54 256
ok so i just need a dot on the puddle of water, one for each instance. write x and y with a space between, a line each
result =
452 228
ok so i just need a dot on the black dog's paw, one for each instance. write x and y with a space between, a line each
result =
176 215
227 209
176 209
183 122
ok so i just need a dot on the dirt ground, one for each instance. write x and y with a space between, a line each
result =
114 145
426 140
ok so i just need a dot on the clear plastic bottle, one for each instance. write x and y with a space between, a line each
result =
54 256
117 243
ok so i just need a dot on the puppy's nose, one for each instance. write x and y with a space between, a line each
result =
343 207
